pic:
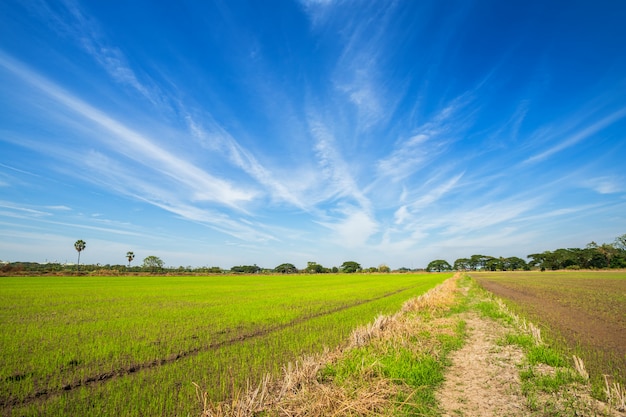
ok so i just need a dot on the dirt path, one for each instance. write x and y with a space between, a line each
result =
483 380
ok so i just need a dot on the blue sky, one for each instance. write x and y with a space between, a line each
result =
222 133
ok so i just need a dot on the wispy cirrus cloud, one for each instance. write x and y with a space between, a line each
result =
15 210
606 184
73 22
136 145
192 185
59 208
216 138
68 19
339 178
573 138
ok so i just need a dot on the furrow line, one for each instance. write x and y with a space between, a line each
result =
43 395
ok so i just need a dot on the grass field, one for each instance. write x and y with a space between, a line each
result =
134 345
584 312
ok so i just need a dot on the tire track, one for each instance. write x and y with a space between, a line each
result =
44 394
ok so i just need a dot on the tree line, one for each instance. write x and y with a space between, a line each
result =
153 265
592 256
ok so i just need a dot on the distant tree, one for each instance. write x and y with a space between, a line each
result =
350 267
514 263
153 263
314 268
438 265
246 269
478 261
609 252
79 245
462 264
286 269
130 256
384 268
494 264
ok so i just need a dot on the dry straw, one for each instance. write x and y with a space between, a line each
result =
580 368
615 393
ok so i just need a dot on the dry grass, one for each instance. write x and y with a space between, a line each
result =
579 365
301 391
616 394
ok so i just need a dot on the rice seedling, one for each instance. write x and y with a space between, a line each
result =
133 345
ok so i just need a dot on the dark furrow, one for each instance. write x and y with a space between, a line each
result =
43 395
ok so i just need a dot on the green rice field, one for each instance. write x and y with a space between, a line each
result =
134 346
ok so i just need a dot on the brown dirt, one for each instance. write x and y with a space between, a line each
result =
568 316
483 380
574 315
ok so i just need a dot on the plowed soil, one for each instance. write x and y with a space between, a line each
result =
588 312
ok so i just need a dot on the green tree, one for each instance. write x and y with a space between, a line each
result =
384 268
130 256
438 265
314 268
494 264
514 263
350 267
246 269
609 252
478 261
79 245
286 269
462 264
153 263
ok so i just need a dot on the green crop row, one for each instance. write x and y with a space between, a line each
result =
134 345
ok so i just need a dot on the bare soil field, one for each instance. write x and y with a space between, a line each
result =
586 310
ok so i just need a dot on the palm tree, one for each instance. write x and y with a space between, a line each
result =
130 255
79 246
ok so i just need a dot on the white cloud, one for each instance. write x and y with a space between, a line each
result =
427 144
436 193
219 139
401 215
354 229
59 208
17 210
75 24
605 185
141 148
340 181
577 137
